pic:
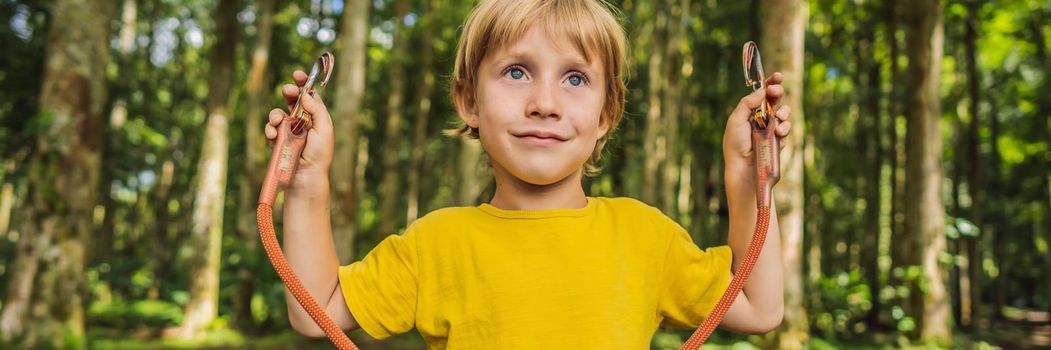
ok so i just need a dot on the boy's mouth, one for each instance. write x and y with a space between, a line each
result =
538 137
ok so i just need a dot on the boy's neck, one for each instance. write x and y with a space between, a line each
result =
514 194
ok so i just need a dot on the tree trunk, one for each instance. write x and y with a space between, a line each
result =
250 180
653 146
7 200
671 115
7 197
389 187
14 319
814 235
64 175
885 150
973 314
871 69
210 188
896 158
103 245
955 247
783 26
682 203
423 111
169 186
159 264
1043 109
348 107
1047 234
997 233
924 211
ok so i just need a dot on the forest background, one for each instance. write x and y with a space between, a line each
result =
915 203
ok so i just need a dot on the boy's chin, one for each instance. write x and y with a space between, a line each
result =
541 176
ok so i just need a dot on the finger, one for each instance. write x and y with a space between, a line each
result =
276 116
300 77
784 113
774 93
783 129
775 79
270 131
291 94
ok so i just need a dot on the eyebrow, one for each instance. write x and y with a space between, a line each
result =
576 63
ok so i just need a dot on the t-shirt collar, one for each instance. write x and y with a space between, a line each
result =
539 214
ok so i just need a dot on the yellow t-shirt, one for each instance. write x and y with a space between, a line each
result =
601 277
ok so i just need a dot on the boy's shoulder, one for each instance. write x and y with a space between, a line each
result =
444 217
625 203
622 205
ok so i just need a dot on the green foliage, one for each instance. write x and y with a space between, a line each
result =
129 315
960 227
138 284
845 300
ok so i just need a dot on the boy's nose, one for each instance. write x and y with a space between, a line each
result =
543 102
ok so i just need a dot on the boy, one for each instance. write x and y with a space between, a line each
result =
541 265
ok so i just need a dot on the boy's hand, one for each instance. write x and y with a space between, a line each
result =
737 139
317 155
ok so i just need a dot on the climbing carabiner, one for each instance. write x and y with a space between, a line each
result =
764 140
302 120
752 60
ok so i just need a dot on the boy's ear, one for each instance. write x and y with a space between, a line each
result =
465 105
603 125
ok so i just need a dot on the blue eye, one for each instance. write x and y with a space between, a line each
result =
516 73
576 80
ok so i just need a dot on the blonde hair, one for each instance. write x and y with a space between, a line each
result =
591 25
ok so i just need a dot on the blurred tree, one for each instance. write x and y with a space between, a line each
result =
671 102
7 196
388 195
210 185
1038 27
783 27
924 211
654 146
64 170
103 244
971 278
896 158
423 110
251 180
347 113
867 81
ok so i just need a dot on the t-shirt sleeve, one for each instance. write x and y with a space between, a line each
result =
381 289
693 280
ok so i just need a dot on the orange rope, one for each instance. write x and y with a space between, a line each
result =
277 258
745 269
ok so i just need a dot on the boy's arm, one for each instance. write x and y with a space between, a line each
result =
759 307
311 253
308 243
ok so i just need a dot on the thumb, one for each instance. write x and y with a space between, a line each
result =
753 100
749 102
